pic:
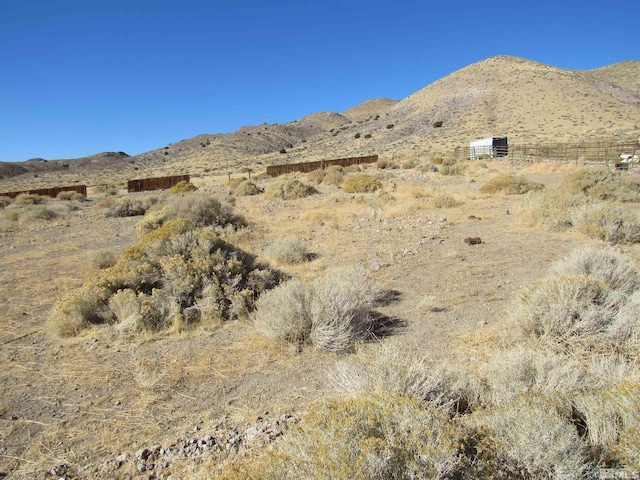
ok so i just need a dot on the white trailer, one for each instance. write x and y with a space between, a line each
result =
493 147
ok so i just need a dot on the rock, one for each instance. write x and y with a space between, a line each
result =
374 267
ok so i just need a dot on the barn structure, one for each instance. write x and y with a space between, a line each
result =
494 147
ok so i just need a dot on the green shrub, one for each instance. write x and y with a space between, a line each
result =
390 126
361 184
437 124
367 136
357 135
511 184
175 275
287 250
288 189
183 186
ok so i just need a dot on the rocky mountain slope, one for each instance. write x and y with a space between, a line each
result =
527 101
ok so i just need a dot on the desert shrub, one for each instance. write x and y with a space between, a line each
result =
338 306
382 163
353 168
521 371
531 439
29 199
608 266
390 126
316 176
624 330
102 259
603 184
179 274
131 206
288 189
372 438
427 167
437 124
555 209
153 219
334 176
448 162
234 182
5 201
444 201
511 184
455 169
437 161
357 135
394 369
287 250
567 312
610 418
610 223
70 195
247 188
409 164
361 184
183 186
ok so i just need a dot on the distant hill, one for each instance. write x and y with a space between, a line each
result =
527 101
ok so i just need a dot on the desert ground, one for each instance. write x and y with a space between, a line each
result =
90 404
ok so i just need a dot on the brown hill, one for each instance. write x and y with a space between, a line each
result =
526 101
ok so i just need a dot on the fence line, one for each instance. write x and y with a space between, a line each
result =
157 183
49 192
306 167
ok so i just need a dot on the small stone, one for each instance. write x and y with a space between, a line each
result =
142 467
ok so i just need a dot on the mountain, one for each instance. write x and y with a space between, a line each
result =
527 101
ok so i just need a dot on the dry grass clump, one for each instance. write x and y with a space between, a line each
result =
425 167
246 189
183 186
287 250
454 169
584 306
603 184
316 176
200 208
131 206
555 209
374 437
29 199
175 275
445 201
102 259
5 201
335 175
361 184
332 313
511 184
609 223
70 196
392 368
288 189
532 439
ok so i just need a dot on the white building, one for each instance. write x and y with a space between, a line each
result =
494 147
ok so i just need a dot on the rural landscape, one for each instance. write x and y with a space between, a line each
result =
414 312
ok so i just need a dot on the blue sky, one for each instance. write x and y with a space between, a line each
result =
84 77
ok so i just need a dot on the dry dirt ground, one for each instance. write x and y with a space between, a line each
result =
86 401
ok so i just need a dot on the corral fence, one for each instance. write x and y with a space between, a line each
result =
306 167
158 183
593 152
49 192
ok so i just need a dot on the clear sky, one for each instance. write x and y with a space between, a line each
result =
79 77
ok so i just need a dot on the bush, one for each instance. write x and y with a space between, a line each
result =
316 176
70 195
357 135
247 188
437 124
287 250
390 126
5 201
437 161
609 223
288 189
102 259
183 186
531 439
176 274
444 201
234 182
334 176
131 206
511 184
373 438
29 199
331 313
456 169
361 184
603 184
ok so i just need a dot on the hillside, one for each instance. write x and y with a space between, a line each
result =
527 101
